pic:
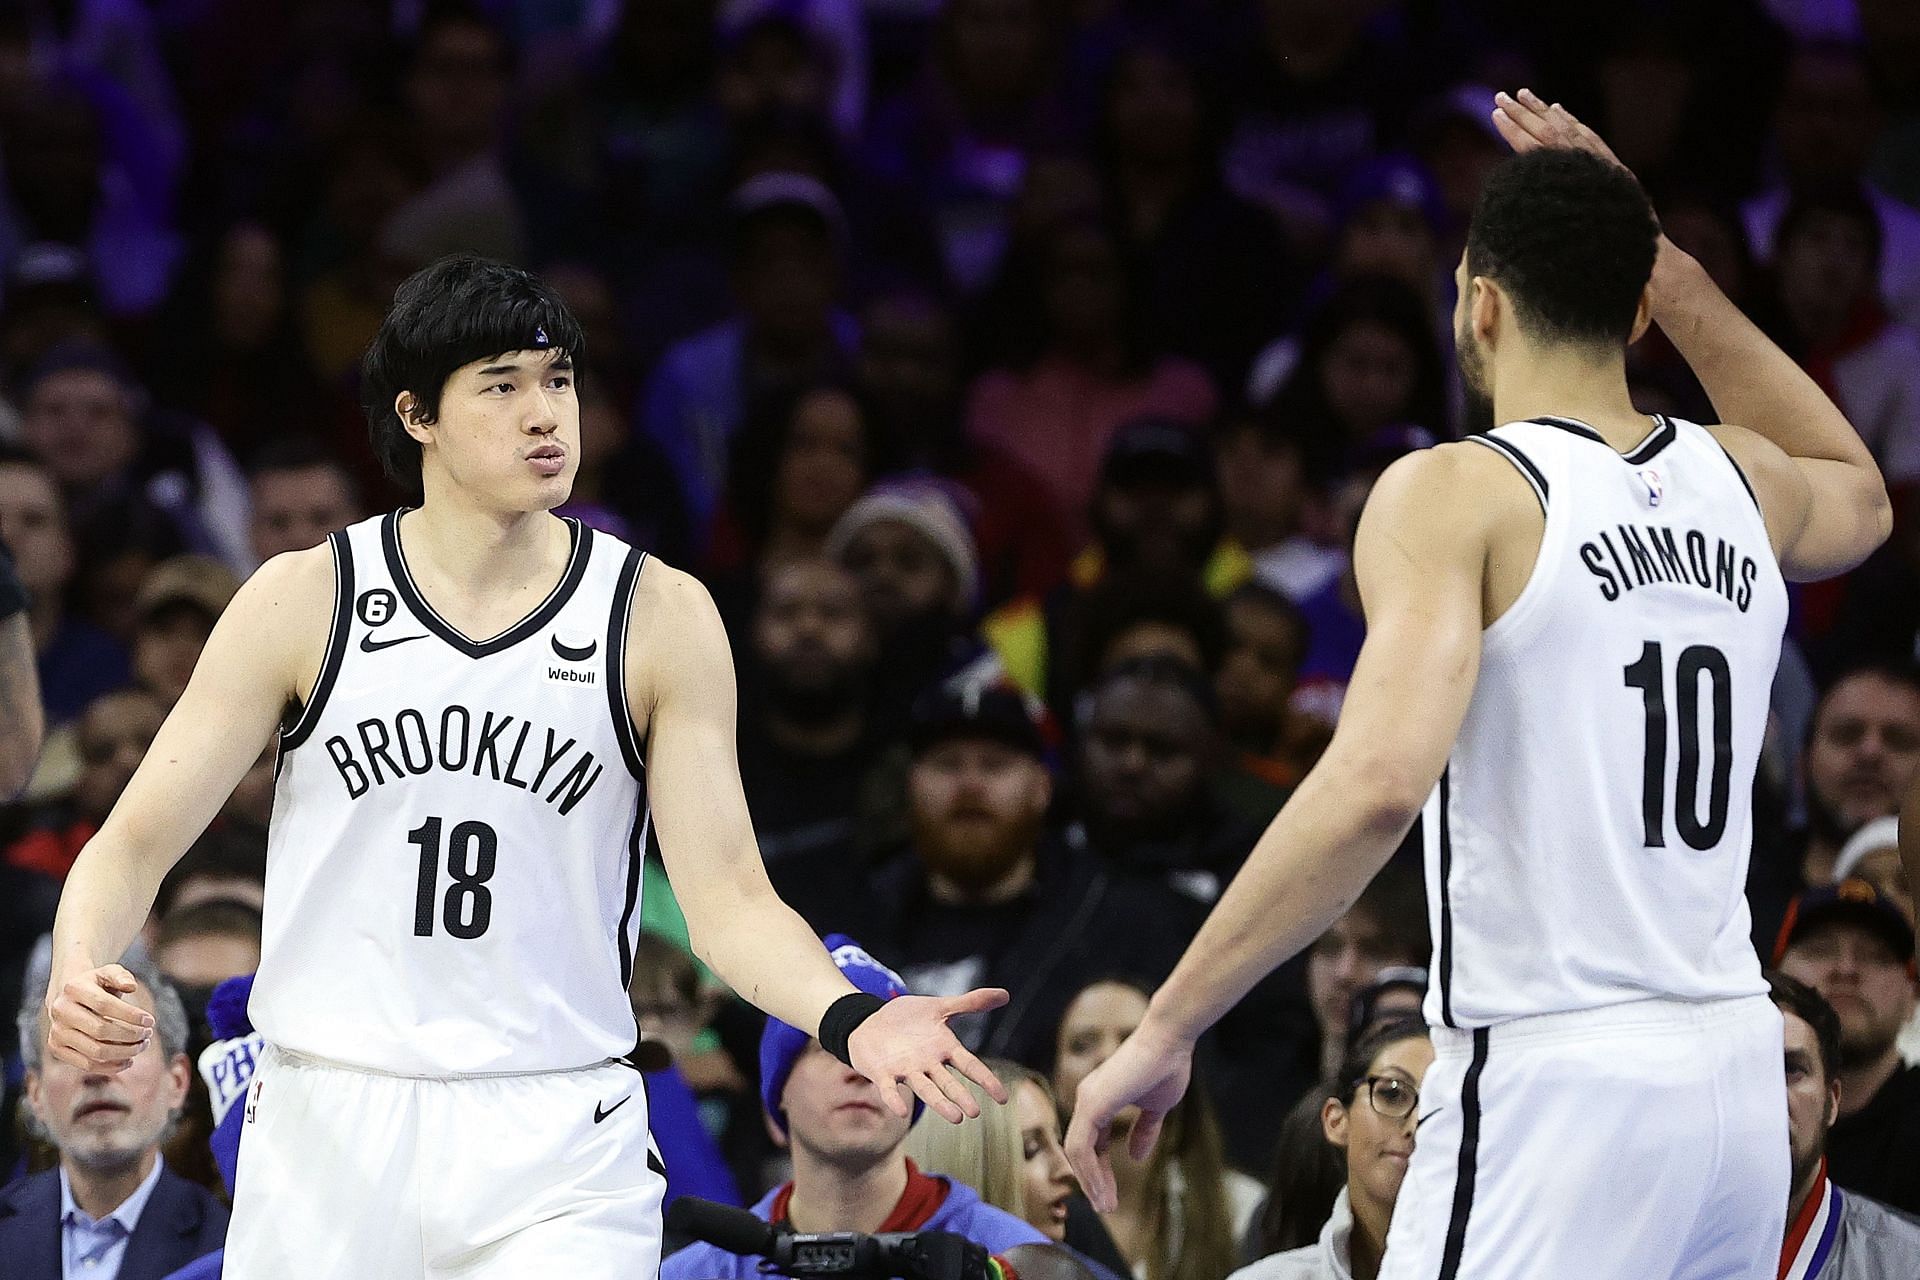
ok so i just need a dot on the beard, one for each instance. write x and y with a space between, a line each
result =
816 695
972 848
1474 381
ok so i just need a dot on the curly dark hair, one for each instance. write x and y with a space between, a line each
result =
1300 407
1571 238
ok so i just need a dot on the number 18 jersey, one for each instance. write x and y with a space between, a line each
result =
1587 844
453 865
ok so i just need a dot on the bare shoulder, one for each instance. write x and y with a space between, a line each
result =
277 624
1458 489
675 638
1778 484
293 582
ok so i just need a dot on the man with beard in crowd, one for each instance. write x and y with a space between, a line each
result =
986 894
1862 755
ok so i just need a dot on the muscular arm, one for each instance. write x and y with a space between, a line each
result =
1418 558
680 677
274 628
20 711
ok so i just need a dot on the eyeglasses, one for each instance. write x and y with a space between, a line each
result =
1390 1096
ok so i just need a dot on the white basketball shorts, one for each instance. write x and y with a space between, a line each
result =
352 1175
1643 1142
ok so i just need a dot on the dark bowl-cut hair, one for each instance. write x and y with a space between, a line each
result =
1571 238
460 309
1790 995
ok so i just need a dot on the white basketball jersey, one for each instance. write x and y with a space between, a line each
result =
1587 844
453 869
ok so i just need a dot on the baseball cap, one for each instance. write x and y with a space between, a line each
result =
1852 901
198 581
933 508
1393 179
996 712
781 1045
782 190
1881 833
1155 448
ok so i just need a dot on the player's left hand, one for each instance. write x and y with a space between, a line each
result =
1148 1071
1528 123
907 1041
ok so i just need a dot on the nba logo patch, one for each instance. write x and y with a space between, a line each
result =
1655 486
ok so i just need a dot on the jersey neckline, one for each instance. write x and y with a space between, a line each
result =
1663 434
582 541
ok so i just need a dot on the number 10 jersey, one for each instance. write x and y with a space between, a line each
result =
454 859
1587 844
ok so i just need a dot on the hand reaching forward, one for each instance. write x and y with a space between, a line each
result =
91 1027
1528 123
907 1041
1145 1071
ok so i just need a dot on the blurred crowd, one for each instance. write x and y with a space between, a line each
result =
1013 373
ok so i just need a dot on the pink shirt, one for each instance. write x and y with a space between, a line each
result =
1056 419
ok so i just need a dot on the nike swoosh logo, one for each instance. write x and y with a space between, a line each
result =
1430 1115
599 1115
572 654
369 645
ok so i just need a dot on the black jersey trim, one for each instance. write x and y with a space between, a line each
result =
1528 472
623 727
1570 424
636 853
1443 829
1664 434
1464 1176
1739 471
548 609
292 735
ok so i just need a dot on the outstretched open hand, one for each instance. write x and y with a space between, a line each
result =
1529 123
907 1041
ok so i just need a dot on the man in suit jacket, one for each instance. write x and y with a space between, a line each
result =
112 1210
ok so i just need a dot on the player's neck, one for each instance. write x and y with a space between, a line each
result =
100 1193
1569 383
830 1197
1858 1085
474 548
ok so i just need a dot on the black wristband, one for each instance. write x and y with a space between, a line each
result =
840 1019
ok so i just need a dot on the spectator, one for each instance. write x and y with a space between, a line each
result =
1385 929
1863 752
1367 359
1399 992
1266 643
135 485
1386 1068
1213 268
1272 482
787 245
176 609
622 485
113 1207
21 712
688 1076
75 660
1149 750
909 370
300 493
112 736
202 945
1826 311
1012 1154
1391 216
1454 137
910 544
50 302
1824 126
1873 855
808 738
1181 1209
1830 1232
228 863
850 1172
1089 371
1308 1175
1855 948
799 461
984 894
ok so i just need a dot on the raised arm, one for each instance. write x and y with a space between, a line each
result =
1836 510
1419 558
265 650
681 686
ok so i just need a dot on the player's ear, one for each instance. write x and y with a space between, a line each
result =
413 417
1642 315
1484 307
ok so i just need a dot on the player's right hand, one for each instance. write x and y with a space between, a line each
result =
1529 123
91 1027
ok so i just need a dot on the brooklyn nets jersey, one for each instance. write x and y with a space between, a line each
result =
1587 844
453 870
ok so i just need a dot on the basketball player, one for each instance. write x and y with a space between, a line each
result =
479 705
1573 623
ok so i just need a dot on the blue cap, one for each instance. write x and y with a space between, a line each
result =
781 1045
1393 179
